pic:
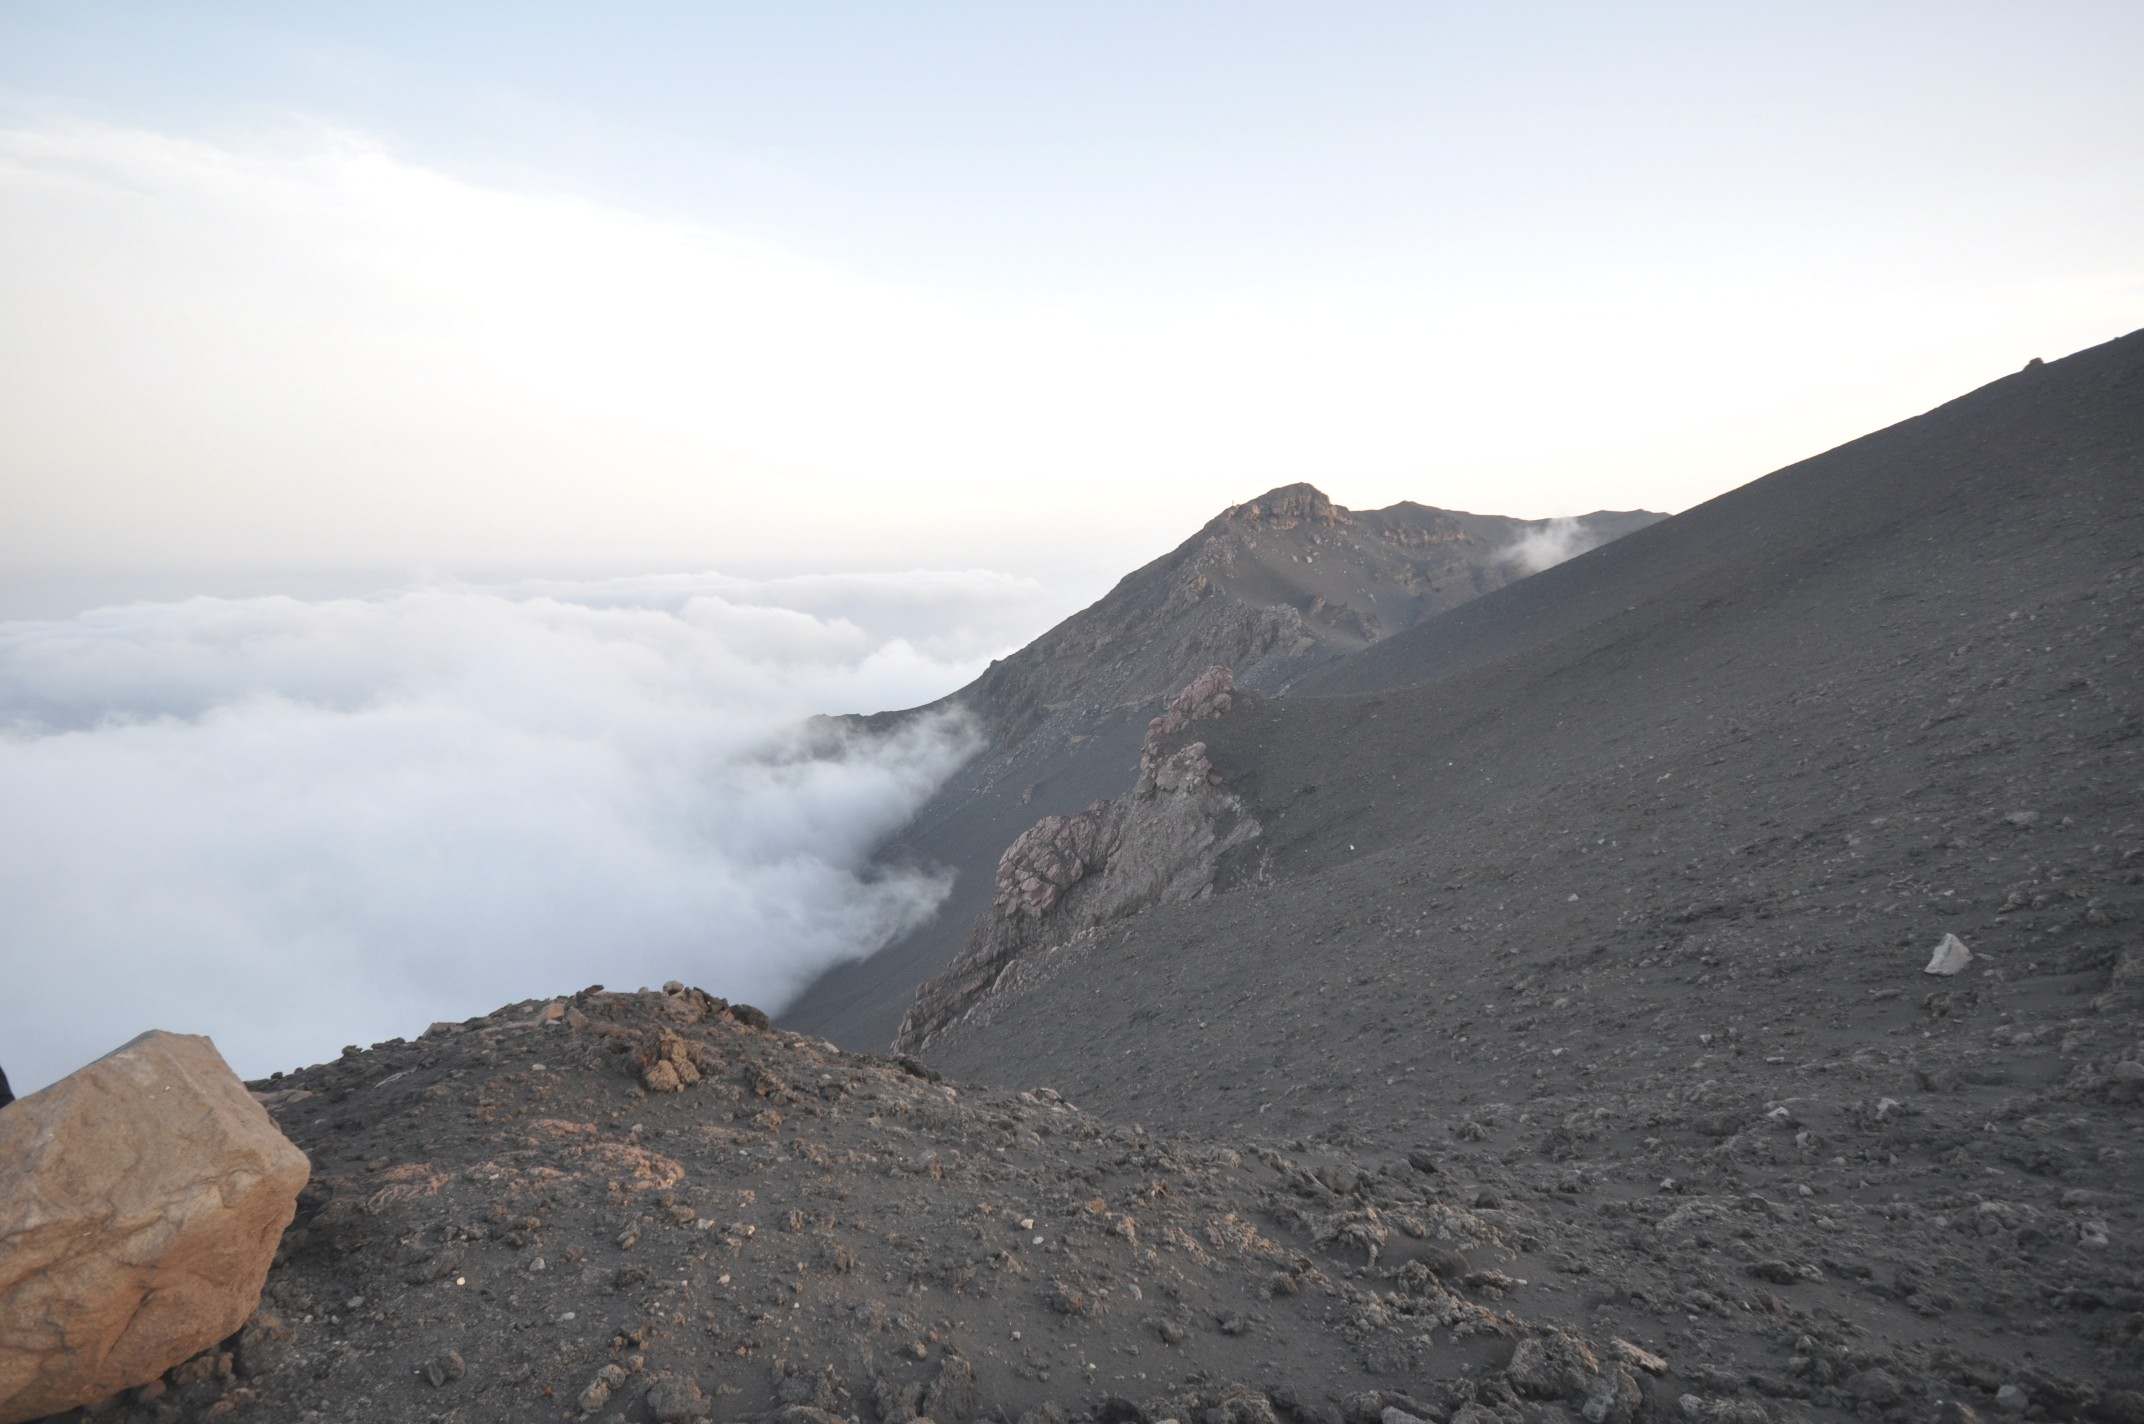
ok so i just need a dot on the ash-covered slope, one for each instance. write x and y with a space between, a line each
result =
1619 883
650 1206
1271 588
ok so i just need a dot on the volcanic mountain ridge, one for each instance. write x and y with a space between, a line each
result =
1621 889
1271 588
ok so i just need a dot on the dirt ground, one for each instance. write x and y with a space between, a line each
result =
632 1206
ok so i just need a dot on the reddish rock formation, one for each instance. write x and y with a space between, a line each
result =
141 1200
1163 841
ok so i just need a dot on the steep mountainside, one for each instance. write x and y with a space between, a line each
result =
1619 884
1271 588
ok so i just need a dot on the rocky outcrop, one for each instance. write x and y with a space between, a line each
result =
1163 842
141 1200
1288 507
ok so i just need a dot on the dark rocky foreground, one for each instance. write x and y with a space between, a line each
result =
642 1206
1615 888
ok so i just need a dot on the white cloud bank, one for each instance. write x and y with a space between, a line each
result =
293 825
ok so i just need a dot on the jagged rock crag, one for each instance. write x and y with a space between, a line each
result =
1161 843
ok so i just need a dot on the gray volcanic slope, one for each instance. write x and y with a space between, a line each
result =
1272 587
1558 1049
1613 889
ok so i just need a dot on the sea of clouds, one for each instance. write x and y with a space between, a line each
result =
295 824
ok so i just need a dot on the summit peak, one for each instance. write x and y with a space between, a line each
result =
1287 505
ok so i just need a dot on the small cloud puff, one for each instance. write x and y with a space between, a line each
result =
1548 544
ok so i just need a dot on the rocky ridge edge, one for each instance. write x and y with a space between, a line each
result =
1160 843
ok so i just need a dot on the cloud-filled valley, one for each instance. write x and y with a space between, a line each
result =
293 825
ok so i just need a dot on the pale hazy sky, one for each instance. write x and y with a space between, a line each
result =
623 287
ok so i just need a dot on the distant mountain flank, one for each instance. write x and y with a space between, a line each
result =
1270 588
1750 908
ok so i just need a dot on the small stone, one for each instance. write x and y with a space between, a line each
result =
598 1392
1391 1415
443 1369
1950 956
1552 1365
1064 1299
2011 1399
673 1399
1638 1355
1876 1387
263 1345
1171 1332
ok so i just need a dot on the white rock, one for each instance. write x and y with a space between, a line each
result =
1950 956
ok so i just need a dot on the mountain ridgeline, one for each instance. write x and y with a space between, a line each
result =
1270 588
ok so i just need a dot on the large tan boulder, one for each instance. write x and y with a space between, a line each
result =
141 1200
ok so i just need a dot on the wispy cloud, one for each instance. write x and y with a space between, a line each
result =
1548 544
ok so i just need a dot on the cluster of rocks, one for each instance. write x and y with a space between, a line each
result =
1288 507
